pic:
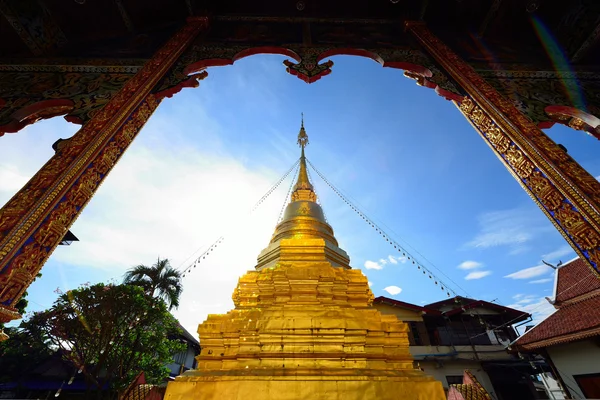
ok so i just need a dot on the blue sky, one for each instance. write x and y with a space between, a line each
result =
404 155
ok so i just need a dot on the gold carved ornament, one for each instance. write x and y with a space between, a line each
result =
88 140
543 153
55 182
571 223
554 165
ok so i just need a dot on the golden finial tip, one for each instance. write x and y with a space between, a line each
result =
302 136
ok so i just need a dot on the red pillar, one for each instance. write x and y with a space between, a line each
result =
34 221
567 194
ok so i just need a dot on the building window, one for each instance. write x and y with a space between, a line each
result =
179 358
589 385
454 379
416 336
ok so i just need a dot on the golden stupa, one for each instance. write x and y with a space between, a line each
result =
303 326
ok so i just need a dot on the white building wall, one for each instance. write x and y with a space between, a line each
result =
439 370
577 358
552 387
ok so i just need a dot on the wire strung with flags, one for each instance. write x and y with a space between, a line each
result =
217 242
402 250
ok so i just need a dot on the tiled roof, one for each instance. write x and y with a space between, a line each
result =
574 279
470 389
570 322
402 304
470 392
460 304
139 392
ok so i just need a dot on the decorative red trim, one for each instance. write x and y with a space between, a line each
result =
546 124
449 95
350 52
419 73
34 112
415 71
307 79
222 62
192 82
575 118
73 119
414 68
203 64
267 50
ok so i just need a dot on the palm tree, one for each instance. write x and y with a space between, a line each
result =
160 280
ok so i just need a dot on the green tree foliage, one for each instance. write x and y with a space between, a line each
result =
111 333
160 280
26 348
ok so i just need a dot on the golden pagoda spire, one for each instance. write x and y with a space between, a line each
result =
303 326
303 235
303 189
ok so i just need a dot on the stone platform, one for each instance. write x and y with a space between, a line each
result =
304 332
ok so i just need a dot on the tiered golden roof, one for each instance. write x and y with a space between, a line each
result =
303 236
303 326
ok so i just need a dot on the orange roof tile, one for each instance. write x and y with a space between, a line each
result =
574 279
570 322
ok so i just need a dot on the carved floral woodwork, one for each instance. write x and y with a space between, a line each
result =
87 93
532 91
34 221
573 118
567 193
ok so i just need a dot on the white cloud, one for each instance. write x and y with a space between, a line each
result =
477 275
511 228
524 299
378 265
393 290
370 283
11 179
373 265
544 280
469 265
168 197
400 259
530 272
560 252
539 307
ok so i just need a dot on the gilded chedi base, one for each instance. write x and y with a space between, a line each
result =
304 332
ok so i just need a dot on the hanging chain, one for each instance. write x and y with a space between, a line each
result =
262 199
318 198
287 196
392 242
203 256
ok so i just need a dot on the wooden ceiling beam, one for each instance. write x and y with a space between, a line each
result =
125 16
34 25
491 14
587 43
